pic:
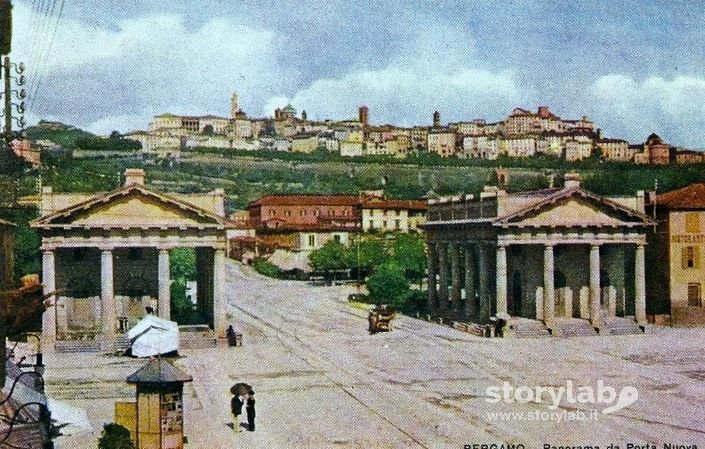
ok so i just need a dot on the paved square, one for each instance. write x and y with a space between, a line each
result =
323 382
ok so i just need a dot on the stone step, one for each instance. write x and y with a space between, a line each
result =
122 343
196 336
530 329
72 346
621 326
574 328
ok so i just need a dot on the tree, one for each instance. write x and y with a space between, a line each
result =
115 436
388 285
182 268
372 254
409 253
329 257
208 130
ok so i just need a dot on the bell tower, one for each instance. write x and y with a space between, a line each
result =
234 107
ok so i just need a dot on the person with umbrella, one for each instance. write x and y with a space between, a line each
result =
239 390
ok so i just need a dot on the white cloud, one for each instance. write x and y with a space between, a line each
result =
435 70
147 65
675 108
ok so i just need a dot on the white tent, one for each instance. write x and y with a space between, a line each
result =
153 336
68 418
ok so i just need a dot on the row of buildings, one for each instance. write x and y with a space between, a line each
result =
522 133
554 261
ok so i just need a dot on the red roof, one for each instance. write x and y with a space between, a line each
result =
689 197
306 200
377 203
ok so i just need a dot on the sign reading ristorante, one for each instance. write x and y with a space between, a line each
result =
688 238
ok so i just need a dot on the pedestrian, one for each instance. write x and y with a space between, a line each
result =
236 409
250 408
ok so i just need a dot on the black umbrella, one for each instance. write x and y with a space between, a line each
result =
240 388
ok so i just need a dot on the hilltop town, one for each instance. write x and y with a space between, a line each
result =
523 133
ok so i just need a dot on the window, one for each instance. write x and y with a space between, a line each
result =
397 224
690 257
384 223
336 237
692 222
372 224
287 213
312 240
316 212
694 299
272 212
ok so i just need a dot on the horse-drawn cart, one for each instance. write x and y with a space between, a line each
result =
380 318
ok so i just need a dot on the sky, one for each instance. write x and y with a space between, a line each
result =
633 67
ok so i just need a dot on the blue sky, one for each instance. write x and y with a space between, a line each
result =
634 67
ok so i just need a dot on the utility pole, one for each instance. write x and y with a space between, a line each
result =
8 101
5 48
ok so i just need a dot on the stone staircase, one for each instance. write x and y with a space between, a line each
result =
73 346
524 328
122 343
196 337
620 326
479 330
573 327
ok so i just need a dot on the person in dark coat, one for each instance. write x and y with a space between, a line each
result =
236 409
250 408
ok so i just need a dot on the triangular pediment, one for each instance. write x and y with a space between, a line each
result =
575 209
135 207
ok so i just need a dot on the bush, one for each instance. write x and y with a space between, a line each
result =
266 268
115 436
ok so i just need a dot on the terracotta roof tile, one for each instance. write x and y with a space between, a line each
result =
689 197
306 200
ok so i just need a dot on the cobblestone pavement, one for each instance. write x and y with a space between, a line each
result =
322 381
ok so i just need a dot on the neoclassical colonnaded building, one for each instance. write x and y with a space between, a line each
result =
107 255
559 261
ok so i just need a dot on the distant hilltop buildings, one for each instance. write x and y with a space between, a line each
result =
523 133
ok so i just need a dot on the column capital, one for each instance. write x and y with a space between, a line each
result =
595 245
106 249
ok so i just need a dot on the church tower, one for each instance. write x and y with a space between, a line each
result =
234 107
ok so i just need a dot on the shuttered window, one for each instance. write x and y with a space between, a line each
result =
694 292
692 222
690 257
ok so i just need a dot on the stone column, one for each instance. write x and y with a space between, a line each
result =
455 276
484 287
49 286
219 320
549 293
595 292
501 279
640 286
107 299
432 273
443 277
164 307
469 282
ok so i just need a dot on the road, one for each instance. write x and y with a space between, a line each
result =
322 381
